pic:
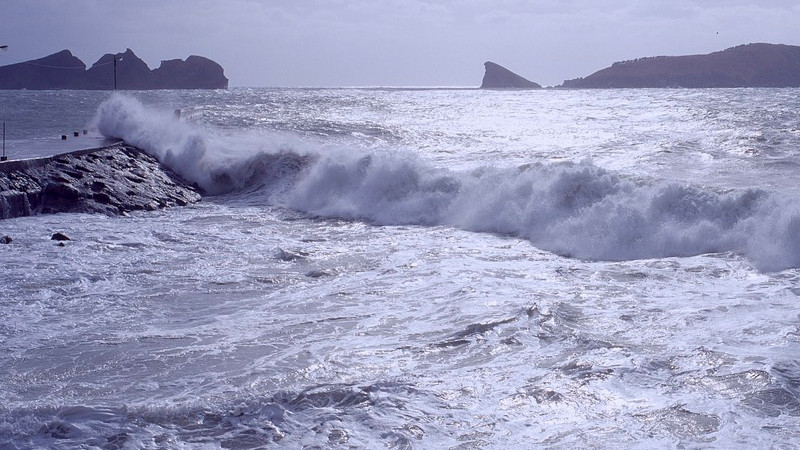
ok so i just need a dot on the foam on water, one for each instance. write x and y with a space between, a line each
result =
573 209
221 325
376 278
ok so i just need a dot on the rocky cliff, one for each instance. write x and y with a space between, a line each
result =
112 180
498 77
752 65
62 70
196 72
50 72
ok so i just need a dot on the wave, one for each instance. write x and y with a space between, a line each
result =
573 209
216 164
321 414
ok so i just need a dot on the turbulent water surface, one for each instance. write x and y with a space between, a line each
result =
416 269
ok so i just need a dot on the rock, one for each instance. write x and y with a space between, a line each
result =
752 65
59 237
102 197
289 256
5 240
319 273
61 189
115 180
498 77
131 72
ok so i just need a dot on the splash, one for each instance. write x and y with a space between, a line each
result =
573 209
216 164
577 210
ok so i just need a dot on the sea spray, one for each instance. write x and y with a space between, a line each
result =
574 209
216 164
578 210
239 323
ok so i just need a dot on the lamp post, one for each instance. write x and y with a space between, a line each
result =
4 157
121 58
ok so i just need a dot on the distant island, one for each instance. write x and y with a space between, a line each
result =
751 65
498 77
125 70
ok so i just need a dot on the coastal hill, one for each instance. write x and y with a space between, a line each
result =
498 77
751 65
62 70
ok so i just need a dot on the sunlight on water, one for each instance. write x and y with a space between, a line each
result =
422 269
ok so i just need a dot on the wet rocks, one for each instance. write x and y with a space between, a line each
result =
6 240
113 180
59 237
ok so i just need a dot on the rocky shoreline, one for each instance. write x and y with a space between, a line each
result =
112 180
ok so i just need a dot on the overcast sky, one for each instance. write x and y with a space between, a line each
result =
391 42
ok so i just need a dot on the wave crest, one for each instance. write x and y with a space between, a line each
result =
578 210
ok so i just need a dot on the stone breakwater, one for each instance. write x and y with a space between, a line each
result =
112 180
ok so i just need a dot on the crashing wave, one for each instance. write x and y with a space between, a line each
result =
573 209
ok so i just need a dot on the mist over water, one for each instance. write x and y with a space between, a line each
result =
421 269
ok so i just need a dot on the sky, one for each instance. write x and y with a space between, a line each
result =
321 43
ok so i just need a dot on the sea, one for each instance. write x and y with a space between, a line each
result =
414 269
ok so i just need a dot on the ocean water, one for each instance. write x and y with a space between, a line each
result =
415 268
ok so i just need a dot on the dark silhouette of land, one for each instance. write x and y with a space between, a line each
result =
751 65
498 77
125 70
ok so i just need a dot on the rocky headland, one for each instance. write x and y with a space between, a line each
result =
498 77
63 70
113 180
751 65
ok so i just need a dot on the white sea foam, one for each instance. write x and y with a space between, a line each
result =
574 209
578 210
237 322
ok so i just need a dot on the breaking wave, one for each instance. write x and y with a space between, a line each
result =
573 209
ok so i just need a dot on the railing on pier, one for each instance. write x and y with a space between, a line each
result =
193 114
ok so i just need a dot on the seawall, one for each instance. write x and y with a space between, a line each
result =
112 180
